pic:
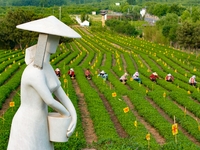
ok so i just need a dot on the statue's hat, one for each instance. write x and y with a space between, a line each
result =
49 25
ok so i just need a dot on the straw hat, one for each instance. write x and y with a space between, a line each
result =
49 25
102 72
155 74
57 69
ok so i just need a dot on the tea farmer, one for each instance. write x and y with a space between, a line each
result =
136 77
154 76
169 78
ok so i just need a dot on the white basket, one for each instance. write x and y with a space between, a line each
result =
58 126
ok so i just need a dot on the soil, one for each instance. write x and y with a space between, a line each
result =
6 104
87 122
151 129
172 121
160 140
121 132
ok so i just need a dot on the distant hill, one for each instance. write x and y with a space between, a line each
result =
47 3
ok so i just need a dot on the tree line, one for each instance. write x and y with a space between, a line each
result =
178 26
13 38
49 3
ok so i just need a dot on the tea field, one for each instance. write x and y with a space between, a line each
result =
112 115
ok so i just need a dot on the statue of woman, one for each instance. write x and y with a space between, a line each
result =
30 129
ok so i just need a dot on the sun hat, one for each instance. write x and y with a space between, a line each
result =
57 69
102 71
155 74
49 25
50 30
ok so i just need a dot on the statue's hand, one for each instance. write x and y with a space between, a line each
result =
71 128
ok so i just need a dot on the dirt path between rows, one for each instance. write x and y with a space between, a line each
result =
170 120
104 59
87 122
167 117
6 104
159 139
121 132
124 62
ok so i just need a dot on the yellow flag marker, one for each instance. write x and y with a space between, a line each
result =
148 137
12 104
185 111
114 94
175 129
164 94
135 123
147 91
126 109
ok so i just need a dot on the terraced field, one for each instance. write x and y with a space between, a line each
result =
103 123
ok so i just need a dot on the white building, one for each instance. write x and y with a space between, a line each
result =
143 12
94 12
85 23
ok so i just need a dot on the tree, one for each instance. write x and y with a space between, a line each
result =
131 2
196 36
176 9
160 10
43 3
185 15
185 35
10 36
169 19
195 14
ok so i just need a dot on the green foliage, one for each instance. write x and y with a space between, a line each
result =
67 19
186 35
169 19
123 27
131 2
175 9
160 9
10 36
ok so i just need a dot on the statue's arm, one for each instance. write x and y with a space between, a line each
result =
64 99
39 84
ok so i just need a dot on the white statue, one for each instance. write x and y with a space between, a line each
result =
31 124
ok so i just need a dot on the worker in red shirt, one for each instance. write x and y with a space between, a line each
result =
192 80
71 73
88 74
169 78
57 71
153 77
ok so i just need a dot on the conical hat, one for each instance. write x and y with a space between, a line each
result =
49 25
